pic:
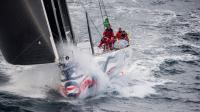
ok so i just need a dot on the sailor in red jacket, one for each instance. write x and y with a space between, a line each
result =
124 36
104 42
108 32
108 38
119 33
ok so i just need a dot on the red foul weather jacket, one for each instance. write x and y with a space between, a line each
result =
118 35
108 33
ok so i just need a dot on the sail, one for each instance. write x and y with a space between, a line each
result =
59 19
66 19
31 30
25 36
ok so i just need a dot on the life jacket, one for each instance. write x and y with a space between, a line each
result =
108 33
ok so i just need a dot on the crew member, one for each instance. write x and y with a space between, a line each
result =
108 38
119 33
124 36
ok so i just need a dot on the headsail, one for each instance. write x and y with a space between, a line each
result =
58 16
29 32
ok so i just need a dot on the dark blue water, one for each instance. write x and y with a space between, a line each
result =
166 45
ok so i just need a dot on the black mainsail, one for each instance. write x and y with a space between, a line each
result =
31 29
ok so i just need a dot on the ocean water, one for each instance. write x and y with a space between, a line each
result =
159 72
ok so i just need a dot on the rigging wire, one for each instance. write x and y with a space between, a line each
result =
104 7
105 17
85 10
101 11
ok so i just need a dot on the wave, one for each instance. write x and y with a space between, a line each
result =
197 78
192 36
3 78
186 49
